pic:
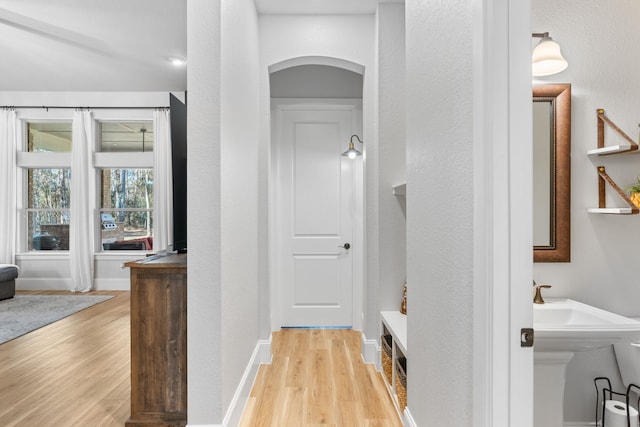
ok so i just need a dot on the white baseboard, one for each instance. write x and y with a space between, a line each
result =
39 284
64 284
261 352
579 424
371 352
407 419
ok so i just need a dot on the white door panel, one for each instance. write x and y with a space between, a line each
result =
315 213
317 208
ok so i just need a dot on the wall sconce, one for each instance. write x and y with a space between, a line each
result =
352 153
546 58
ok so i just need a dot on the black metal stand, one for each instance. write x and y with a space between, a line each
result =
608 394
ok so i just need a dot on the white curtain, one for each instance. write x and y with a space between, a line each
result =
162 182
81 232
8 174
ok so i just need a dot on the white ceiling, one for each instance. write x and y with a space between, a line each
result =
113 45
92 45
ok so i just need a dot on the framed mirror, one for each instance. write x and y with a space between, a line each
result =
552 173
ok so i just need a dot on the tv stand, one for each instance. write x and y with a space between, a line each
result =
158 341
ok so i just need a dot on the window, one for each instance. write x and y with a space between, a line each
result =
48 185
126 212
122 137
125 159
49 137
123 193
49 198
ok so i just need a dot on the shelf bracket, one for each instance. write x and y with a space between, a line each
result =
602 119
603 179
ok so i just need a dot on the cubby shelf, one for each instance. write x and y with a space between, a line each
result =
396 323
394 357
603 177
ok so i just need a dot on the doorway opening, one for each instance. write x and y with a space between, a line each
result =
316 196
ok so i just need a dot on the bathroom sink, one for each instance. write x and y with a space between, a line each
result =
562 327
568 325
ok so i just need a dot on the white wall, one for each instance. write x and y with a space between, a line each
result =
315 81
600 41
240 127
223 293
390 52
204 296
439 211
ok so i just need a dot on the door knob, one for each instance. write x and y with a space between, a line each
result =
345 246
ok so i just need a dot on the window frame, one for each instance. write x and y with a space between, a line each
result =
100 209
117 160
35 160
55 160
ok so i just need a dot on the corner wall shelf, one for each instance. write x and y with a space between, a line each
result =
614 211
603 177
601 150
613 149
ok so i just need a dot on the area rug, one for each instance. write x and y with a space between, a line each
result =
25 313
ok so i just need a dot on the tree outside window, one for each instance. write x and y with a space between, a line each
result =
49 202
127 209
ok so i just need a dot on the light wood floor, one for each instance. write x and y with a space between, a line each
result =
74 372
318 378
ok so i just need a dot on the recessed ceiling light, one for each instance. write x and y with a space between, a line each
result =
177 61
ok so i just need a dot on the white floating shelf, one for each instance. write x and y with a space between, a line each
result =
615 211
400 190
612 149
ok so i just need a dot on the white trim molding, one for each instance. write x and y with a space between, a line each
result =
503 372
261 353
407 419
371 351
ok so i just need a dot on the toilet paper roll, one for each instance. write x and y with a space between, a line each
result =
616 414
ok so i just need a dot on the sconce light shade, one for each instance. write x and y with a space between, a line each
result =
352 153
547 58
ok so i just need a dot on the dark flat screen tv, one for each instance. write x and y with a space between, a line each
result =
179 169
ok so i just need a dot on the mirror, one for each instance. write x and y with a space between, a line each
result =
552 173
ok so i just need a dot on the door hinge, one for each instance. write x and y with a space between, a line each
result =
526 337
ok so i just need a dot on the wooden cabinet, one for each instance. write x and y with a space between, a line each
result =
159 341
394 356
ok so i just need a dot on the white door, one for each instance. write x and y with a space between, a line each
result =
315 216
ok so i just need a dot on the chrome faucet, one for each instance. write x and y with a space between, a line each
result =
537 299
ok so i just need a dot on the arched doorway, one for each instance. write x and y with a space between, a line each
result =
316 195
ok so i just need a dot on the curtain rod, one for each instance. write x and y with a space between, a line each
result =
47 107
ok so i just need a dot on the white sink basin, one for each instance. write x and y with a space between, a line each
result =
568 325
562 327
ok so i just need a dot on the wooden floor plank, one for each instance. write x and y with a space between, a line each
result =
326 384
76 372
73 372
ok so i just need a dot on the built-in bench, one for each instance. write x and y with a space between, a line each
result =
8 274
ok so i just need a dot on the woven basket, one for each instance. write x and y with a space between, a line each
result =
387 363
401 382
